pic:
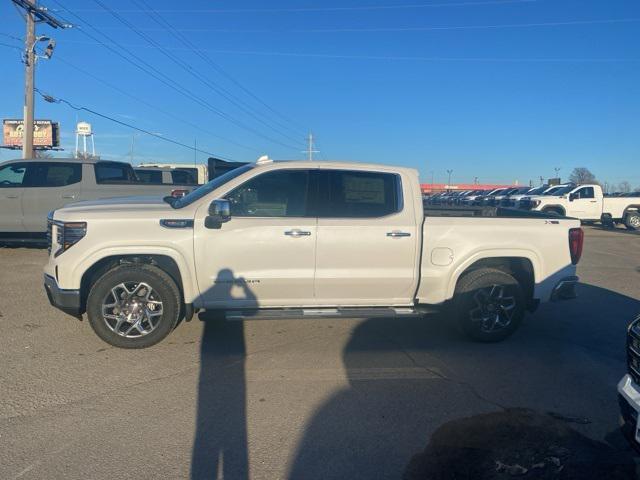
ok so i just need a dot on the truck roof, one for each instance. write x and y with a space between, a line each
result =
62 160
336 164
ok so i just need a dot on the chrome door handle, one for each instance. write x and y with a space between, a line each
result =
295 233
398 234
69 196
13 196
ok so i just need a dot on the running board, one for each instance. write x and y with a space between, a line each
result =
315 313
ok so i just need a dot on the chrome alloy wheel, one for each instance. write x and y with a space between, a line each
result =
132 309
634 221
494 308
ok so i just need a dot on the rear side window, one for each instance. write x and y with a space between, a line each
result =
50 174
114 172
280 193
186 176
12 175
354 194
149 176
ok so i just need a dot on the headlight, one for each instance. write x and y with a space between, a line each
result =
68 234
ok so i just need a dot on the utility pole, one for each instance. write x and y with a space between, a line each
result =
310 151
557 169
29 71
449 181
33 14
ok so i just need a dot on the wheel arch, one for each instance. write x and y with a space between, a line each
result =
164 262
555 208
521 267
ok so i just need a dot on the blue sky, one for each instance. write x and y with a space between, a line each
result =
503 90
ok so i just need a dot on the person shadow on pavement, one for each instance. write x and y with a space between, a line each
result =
220 448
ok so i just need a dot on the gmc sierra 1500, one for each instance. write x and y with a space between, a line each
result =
304 240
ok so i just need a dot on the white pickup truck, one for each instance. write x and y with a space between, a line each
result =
587 203
304 240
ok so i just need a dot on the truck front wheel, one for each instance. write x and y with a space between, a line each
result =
488 305
133 306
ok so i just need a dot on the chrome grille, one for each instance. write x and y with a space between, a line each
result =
49 230
633 350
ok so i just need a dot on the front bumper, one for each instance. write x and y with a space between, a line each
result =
69 301
629 400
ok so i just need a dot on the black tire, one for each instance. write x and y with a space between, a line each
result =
473 319
162 290
632 220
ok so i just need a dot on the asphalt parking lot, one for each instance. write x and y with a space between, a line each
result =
296 399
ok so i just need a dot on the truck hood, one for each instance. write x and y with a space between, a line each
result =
119 204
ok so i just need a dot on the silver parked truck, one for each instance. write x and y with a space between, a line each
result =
30 189
304 240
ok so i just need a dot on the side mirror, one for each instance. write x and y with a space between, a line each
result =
219 213
573 196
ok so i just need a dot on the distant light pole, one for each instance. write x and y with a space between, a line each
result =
557 169
475 180
449 181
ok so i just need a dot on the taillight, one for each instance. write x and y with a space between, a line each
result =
179 193
576 240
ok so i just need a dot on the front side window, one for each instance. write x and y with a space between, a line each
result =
114 172
149 176
52 174
185 176
586 192
12 175
280 193
355 194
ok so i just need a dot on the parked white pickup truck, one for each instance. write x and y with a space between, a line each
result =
304 240
587 203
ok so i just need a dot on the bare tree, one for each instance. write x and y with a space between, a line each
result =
581 175
624 187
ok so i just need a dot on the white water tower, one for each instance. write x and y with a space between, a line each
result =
83 129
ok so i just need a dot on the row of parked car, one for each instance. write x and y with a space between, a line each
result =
586 202
503 197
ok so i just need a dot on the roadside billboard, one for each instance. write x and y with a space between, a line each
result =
46 134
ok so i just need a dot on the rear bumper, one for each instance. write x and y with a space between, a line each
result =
565 289
66 300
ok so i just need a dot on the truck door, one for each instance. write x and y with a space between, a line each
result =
367 246
48 186
11 189
585 205
264 256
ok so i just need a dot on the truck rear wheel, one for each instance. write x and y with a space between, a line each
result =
133 306
488 305
632 221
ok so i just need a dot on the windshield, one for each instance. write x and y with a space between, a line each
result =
563 190
209 187
537 190
552 191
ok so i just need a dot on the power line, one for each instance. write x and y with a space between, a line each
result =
51 99
150 70
185 41
329 9
401 29
390 57
187 68
153 106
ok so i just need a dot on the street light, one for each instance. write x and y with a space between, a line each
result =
449 181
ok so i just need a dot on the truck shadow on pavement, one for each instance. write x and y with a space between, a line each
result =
407 378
